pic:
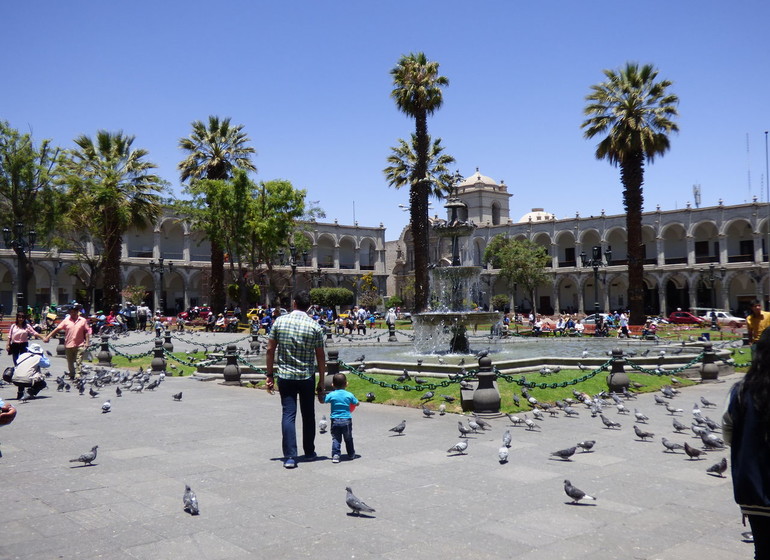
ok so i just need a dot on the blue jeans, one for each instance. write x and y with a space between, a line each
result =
342 428
290 390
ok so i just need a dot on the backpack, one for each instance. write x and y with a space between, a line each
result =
8 374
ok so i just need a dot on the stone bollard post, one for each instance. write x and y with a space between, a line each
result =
168 345
332 367
254 345
486 397
231 372
709 370
618 379
60 349
392 333
104 356
158 363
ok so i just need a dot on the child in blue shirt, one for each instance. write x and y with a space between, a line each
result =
342 404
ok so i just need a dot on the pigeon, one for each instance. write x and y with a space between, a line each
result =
483 424
458 448
177 396
609 423
640 417
461 362
355 503
482 353
565 454
464 430
581 367
696 410
441 360
692 452
706 402
678 426
575 493
118 392
670 445
673 410
536 413
400 428
516 400
403 377
448 398
530 424
370 397
569 411
190 501
641 434
507 438
502 454
712 441
515 420
106 407
93 393
361 358
718 468
427 396
419 362
659 399
645 353
442 409
427 412
86 458
473 425
586 445
584 354
323 424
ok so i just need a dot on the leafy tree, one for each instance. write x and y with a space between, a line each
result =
519 262
633 112
331 297
28 193
394 301
417 93
110 185
368 295
214 152
403 161
134 294
500 302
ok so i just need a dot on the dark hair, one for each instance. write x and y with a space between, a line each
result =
302 300
339 380
757 381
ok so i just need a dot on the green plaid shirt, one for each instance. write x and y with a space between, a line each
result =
297 336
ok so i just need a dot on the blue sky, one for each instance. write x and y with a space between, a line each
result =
310 81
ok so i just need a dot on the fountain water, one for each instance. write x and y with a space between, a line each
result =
455 294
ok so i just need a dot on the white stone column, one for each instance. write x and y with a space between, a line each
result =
690 241
660 248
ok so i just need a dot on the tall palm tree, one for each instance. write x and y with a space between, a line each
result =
634 112
417 93
111 184
214 151
403 160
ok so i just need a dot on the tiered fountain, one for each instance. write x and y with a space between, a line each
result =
455 294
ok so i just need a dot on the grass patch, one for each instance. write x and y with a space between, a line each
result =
120 362
399 397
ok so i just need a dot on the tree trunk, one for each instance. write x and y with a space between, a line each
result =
217 288
418 198
111 276
632 177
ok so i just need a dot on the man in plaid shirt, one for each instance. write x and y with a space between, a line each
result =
299 342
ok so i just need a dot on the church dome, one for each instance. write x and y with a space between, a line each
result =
477 178
537 215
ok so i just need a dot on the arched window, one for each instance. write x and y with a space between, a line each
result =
495 213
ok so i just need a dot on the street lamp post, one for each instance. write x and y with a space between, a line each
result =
161 270
595 262
712 284
23 248
56 268
293 265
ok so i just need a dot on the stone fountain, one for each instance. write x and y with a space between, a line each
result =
455 294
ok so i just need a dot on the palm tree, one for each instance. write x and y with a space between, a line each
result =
417 93
403 160
112 189
634 113
214 152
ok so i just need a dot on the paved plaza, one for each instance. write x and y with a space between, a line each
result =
225 443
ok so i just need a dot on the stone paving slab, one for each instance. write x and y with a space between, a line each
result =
225 442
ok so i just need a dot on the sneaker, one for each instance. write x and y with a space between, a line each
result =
289 464
336 459
351 456
310 457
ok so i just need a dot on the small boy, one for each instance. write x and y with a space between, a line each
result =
342 404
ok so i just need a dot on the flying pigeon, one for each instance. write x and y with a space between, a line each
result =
86 458
692 452
355 503
502 454
177 396
670 445
323 424
400 428
106 407
458 448
718 468
575 493
586 445
565 454
190 501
